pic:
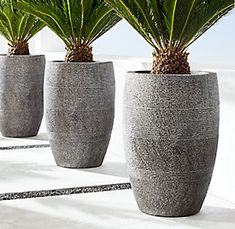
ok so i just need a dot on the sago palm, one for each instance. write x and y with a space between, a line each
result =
17 27
170 26
77 22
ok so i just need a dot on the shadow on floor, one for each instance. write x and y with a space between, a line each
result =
210 218
95 212
111 168
18 218
69 213
10 170
40 137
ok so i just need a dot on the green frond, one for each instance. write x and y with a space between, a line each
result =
205 16
74 21
15 25
171 23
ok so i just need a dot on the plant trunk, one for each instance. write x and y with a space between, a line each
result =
79 53
18 48
170 61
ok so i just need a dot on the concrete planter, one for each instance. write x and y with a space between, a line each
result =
171 128
79 111
21 95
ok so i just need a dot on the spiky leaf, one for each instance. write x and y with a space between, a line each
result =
171 23
76 22
17 26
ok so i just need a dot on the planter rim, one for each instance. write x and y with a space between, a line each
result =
198 73
21 56
61 62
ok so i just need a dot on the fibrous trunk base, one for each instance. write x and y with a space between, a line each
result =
79 53
170 61
18 48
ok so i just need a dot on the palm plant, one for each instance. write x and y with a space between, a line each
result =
77 22
17 27
170 26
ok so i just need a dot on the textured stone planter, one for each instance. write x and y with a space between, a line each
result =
21 95
79 111
171 128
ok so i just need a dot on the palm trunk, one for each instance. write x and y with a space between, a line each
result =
18 48
79 53
170 61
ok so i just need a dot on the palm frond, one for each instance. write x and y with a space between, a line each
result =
74 21
171 23
15 25
205 15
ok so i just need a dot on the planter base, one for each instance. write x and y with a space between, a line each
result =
173 215
81 155
177 199
19 134
20 125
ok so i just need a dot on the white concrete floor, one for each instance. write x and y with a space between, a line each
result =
35 169
107 210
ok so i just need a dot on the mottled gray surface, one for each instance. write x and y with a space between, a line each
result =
79 111
64 191
21 95
24 147
171 128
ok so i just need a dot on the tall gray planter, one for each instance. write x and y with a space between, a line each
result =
79 111
21 94
171 125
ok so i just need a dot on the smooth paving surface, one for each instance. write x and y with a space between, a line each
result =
35 169
107 210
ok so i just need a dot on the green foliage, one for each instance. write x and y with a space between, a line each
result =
171 23
76 22
17 26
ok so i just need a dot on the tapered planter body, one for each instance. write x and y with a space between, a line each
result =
79 111
171 125
21 95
